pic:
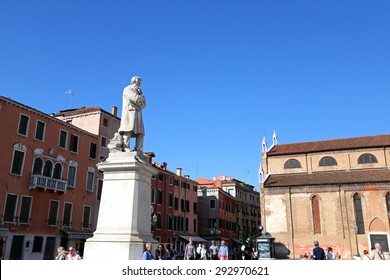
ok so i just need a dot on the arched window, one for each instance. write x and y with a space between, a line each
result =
38 164
357 203
292 163
57 171
328 161
315 206
47 169
367 158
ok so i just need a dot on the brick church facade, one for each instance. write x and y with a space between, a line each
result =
336 192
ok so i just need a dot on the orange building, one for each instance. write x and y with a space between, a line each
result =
47 183
174 207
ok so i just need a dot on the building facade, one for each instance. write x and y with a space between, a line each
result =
246 205
336 192
174 209
99 122
47 183
217 216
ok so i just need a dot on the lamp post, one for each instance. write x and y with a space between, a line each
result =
355 227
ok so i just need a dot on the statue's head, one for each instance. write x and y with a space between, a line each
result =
136 79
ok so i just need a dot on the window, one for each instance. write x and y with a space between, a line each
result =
160 197
72 176
170 181
57 171
37 244
10 208
328 161
195 225
92 150
47 169
53 213
87 217
63 139
367 158
315 205
212 203
357 203
176 203
212 223
90 176
99 190
74 143
182 205
23 125
40 131
67 216
17 162
170 200
187 205
292 163
160 177
38 165
105 122
25 210
170 222
153 193
195 207
103 142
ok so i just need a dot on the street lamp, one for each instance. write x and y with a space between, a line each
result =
355 227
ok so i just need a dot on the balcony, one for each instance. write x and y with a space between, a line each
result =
46 183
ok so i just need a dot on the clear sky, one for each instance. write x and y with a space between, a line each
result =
218 75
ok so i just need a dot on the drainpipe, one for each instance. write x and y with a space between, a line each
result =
292 222
341 212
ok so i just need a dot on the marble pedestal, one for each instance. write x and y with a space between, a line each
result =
124 220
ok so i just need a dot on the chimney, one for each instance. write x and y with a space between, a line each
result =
164 165
114 110
178 171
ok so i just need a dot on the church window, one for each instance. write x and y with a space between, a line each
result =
367 158
328 161
357 203
292 163
315 205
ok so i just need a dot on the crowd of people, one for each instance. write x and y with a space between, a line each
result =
201 252
319 253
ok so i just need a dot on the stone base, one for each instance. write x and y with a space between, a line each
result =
124 220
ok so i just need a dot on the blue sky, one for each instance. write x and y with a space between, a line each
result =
217 75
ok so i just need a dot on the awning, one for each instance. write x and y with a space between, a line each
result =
194 238
73 234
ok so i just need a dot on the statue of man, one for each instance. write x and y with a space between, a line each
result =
132 125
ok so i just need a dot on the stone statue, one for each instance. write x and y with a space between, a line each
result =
132 125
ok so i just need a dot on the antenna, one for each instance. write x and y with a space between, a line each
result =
70 93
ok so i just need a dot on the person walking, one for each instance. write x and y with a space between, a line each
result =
223 251
203 252
213 251
189 251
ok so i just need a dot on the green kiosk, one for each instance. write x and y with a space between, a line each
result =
265 245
